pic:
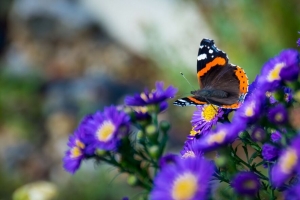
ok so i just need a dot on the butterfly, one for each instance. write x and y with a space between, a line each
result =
222 84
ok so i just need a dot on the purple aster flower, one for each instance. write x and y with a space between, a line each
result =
205 117
270 74
194 134
285 66
258 134
76 153
278 114
246 183
105 130
293 193
189 149
250 111
276 136
269 152
290 58
287 164
223 135
156 96
298 42
187 179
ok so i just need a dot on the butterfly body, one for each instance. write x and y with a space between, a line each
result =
222 84
208 93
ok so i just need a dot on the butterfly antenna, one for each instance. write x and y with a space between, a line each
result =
187 80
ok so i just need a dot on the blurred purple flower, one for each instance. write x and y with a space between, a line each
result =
278 114
168 159
246 183
76 153
276 136
250 111
258 134
190 150
287 164
187 179
269 152
223 135
293 193
156 96
285 66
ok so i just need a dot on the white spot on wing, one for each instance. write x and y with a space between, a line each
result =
210 51
202 57
201 46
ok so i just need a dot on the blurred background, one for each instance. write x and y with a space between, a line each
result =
63 59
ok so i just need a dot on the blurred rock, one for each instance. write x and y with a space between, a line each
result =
40 190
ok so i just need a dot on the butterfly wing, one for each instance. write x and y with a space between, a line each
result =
189 101
230 79
214 73
209 58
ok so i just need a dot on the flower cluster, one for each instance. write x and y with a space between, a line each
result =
127 137
254 149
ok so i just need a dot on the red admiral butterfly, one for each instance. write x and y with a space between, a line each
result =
222 83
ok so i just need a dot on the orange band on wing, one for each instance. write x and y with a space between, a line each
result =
241 75
196 101
232 106
208 66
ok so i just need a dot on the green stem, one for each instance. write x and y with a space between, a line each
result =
261 176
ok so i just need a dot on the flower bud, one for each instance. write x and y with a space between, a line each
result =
154 151
140 135
132 180
151 132
165 126
221 161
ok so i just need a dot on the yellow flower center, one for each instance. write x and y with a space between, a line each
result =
189 154
79 144
217 137
105 131
249 184
184 187
76 152
209 112
249 112
257 135
274 74
288 161
279 117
